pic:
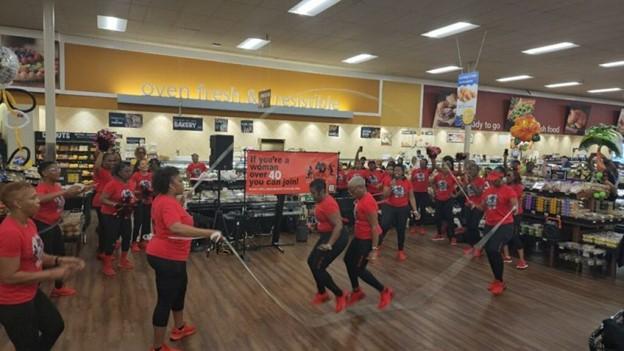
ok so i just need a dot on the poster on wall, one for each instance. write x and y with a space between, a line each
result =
283 172
135 141
264 98
370 132
386 138
458 137
444 115
247 126
620 122
407 138
29 52
125 120
518 107
576 119
221 125
467 91
188 123
334 130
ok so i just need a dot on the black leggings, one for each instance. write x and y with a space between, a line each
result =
422 201
53 243
114 227
34 325
516 243
444 217
142 221
356 260
394 217
493 247
473 218
101 233
171 280
318 261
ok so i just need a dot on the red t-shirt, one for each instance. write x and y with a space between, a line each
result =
420 179
497 204
444 186
142 184
118 191
322 211
374 179
50 212
476 186
101 177
17 240
519 189
167 211
360 172
399 192
341 181
194 170
363 208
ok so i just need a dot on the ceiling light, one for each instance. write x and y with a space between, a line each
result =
444 69
513 78
607 90
612 64
550 48
312 7
562 85
450 30
359 58
112 23
253 44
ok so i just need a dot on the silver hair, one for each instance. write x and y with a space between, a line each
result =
357 181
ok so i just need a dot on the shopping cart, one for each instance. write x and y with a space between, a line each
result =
596 340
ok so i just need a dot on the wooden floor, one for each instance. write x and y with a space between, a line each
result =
441 304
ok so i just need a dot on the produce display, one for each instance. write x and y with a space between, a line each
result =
607 239
577 253
535 230
31 65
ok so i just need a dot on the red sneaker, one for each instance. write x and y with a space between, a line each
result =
320 298
124 262
61 292
177 334
522 265
355 296
491 285
422 231
413 230
135 247
477 252
468 251
438 238
386 298
497 288
507 259
401 256
453 242
164 347
341 303
107 266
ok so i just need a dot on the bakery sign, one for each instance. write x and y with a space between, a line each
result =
233 95
188 123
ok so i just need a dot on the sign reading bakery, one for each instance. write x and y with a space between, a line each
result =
188 123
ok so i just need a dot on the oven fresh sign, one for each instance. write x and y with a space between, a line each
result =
188 123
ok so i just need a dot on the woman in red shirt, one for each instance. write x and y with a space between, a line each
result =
332 241
104 162
444 191
500 203
195 168
400 199
341 182
118 202
420 185
364 244
375 178
167 254
515 182
474 187
141 181
52 204
29 318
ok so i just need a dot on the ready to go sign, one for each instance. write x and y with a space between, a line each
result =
467 90
188 123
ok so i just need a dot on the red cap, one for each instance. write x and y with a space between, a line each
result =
494 176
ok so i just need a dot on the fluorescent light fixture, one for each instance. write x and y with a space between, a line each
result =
550 48
514 78
450 30
112 23
312 7
359 59
562 85
607 90
612 64
253 44
444 69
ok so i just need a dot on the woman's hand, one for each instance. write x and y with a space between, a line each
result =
324 247
74 262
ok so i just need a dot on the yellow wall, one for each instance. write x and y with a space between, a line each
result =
401 104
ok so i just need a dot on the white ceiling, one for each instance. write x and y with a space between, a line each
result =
389 29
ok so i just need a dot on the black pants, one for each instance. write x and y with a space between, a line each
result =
34 325
142 221
493 247
99 230
422 201
395 217
53 243
516 243
444 217
115 227
318 261
473 218
171 281
356 260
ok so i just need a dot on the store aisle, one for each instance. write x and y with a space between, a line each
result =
543 308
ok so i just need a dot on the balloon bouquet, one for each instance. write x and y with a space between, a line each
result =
525 131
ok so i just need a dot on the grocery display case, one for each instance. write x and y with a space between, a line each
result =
75 155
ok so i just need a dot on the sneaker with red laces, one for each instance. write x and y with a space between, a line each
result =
438 238
355 296
135 247
179 334
341 303
320 298
165 347
401 256
453 242
62 292
497 287
385 298
507 259
477 252
522 265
